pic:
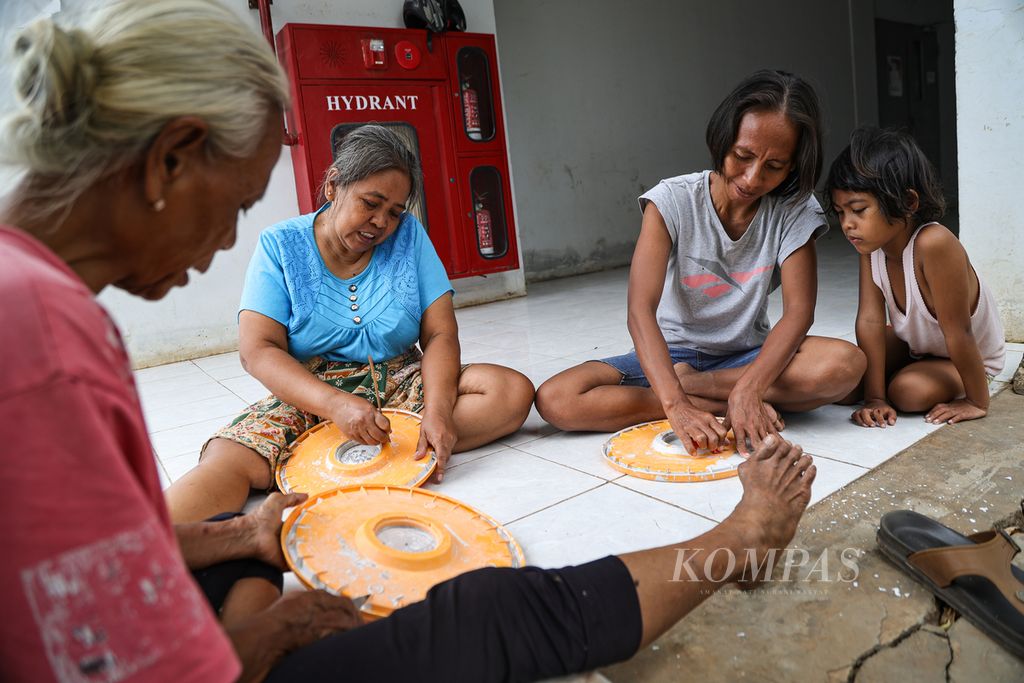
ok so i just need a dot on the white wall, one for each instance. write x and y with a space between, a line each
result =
990 134
199 319
605 98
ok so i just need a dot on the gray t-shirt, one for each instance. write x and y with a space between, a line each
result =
716 290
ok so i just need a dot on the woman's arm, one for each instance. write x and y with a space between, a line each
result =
646 280
263 349
946 271
439 339
747 414
876 411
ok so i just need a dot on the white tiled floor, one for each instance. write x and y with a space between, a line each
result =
559 498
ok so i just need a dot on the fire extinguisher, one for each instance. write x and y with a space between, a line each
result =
484 234
471 112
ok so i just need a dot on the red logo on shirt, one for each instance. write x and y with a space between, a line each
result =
718 275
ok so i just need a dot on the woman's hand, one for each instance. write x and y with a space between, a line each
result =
697 429
959 410
358 420
751 418
875 413
437 432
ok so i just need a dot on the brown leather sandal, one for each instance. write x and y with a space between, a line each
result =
972 574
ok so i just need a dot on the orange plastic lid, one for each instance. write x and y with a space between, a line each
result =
391 543
653 451
323 458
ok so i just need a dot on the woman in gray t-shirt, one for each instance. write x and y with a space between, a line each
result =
713 245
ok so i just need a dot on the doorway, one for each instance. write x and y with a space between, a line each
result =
915 81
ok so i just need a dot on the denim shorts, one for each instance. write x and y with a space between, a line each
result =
633 375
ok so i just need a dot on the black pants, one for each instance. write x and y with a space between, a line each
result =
488 625
215 581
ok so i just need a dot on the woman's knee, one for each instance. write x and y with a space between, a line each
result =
509 393
837 369
517 392
233 462
554 398
852 363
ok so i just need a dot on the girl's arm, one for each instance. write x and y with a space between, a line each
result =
646 280
876 411
263 349
946 271
439 338
747 414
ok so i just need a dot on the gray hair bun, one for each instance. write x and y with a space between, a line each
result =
94 91
54 78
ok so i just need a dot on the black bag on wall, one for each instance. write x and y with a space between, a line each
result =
455 18
436 16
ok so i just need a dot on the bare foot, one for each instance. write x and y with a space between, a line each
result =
777 482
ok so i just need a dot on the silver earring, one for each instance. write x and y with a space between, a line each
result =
159 205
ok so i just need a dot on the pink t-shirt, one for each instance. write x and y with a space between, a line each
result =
92 583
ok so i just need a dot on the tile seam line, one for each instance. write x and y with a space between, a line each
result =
215 417
670 504
555 462
548 507
220 383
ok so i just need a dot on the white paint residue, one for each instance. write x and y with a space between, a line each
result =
112 609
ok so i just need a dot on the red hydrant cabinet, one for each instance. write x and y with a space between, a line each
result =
443 99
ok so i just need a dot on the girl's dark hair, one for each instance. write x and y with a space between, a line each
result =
773 91
886 164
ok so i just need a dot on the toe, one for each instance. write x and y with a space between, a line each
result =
768 448
799 468
790 453
809 474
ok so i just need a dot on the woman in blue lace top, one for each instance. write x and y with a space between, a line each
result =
324 291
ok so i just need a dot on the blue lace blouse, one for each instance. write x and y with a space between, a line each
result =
377 312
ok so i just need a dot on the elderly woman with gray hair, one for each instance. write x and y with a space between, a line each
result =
357 279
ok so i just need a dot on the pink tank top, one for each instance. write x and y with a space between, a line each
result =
919 328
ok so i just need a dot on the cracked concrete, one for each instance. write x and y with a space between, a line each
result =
882 625
925 651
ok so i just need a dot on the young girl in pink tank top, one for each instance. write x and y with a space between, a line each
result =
944 338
